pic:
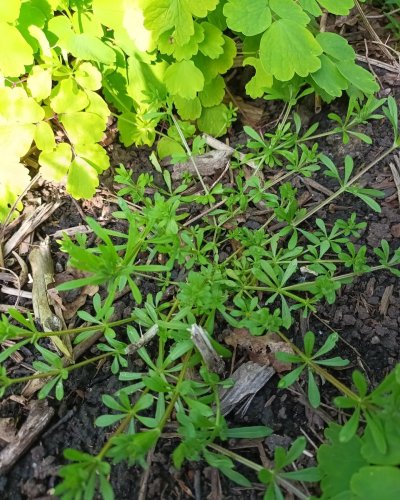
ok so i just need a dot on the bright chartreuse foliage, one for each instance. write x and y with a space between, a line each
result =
67 61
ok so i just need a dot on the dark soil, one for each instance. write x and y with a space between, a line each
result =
368 323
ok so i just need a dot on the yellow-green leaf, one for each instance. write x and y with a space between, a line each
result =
184 79
88 76
44 137
212 44
95 155
55 164
82 179
14 178
16 52
67 97
83 127
9 10
188 109
39 82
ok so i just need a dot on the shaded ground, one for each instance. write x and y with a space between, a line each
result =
366 315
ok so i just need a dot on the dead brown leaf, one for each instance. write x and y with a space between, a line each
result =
260 349
70 308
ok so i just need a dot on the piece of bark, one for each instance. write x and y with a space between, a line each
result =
39 416
43 280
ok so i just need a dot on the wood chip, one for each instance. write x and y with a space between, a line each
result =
249 378
201 340
384 305
207 164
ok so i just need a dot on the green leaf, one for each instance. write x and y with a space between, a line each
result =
83 127
167 44
311 6
184 79
249 18
309 341
91 48
236 477
67 97
310 474
213 120
329 344
134 128
287 9
212 67
376 482
213 41
358 76
106 420
55 163
313 391
16 107
86 22
384 435
168 147
329 78
144 402
297 43
261 81
290 378
368 200
97 105
350 427
249 432
336 46
17 54
14 178
163 15
213 92
188 109
95 155
340 8
338 461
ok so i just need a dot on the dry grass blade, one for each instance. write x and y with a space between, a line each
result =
30 224
395 168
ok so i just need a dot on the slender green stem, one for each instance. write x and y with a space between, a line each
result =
53 373
257 468
345 187
321 371
94 328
